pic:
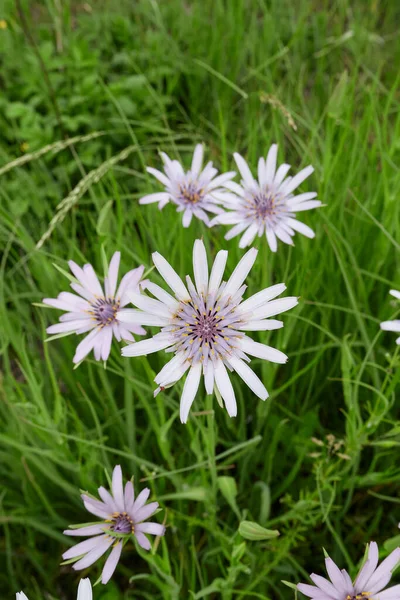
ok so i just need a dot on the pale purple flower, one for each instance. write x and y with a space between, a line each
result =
392 325
194 191
122 518
94 309
204 325
84 591
368 585
267 205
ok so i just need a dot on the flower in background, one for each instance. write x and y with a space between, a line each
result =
267 205
204 325
367 586
122 517
84 591
193 191
94 310
392 325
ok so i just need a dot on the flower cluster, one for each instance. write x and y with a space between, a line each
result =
204 324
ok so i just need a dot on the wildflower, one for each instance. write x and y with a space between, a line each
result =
392 325
267 205
368 585
94 310
205 324
123 517
84 591
193 191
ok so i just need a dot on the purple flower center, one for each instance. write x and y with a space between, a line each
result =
104 310
189 193
264 204
122 523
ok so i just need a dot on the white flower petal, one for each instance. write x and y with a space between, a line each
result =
149 305
187 218
262 351
274 308
217 271
390 325
249 377
200 267
131 315
225 388
271 239
117 488
189 391
158 175
270 163
145 347
240 273
301 228
244 170
287 188
111 282
94 554
249 235
281 174
111 563
260 298
85 590
197 161
157 197
395 293
171 277
262 325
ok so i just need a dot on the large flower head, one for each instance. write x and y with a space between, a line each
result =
122 517
267 205
368 585
204 324
393 325
94 308
84 591
194 191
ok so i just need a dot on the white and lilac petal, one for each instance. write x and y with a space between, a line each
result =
306 206
144 512
141 500
111 563
249 377
244 170
159 175
390 325
171 277
85 590
261 298
288 188
275 307
248 236
261 325
86 531
217 271
395 294
96 553
263 351
157 197
131 315
187 217
270 163
163 296
145 347
86 346
190 388
271 239
301 228
83 547
236 230
240 273
197 161
107 336
110 283
117 488
200 267
151 528
142 540
225 388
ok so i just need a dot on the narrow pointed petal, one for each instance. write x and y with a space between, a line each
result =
244 170
200 267
189 391
240 273
225 388
111 563
171 277
249 377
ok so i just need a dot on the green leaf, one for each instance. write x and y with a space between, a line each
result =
254 532
228 488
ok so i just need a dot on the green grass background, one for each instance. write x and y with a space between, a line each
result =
153 75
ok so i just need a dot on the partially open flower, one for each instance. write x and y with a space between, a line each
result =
122 518
392 325
95 309
368 585
84 591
